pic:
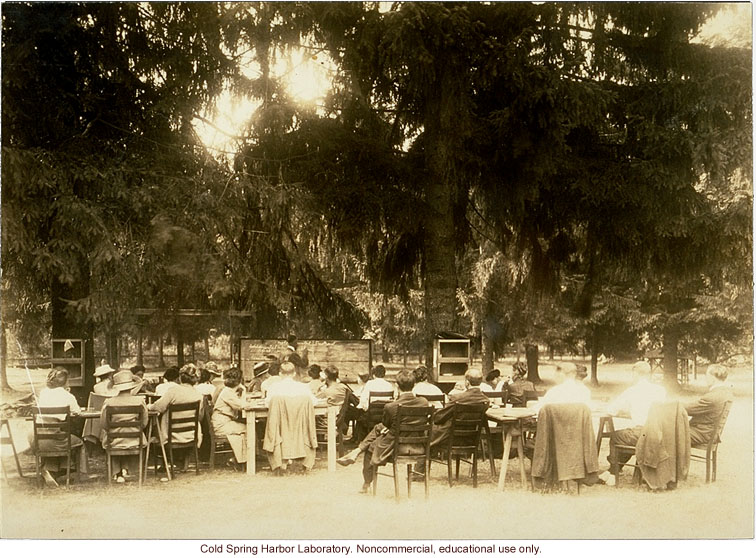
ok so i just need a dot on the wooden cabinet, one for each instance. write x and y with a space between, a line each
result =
451 358
69 354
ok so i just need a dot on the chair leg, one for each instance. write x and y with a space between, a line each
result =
449 468
38 470
708 465
396 481
196 458
475 469
141 467
714 465
427 476
109 459
409 480
13 446
68 469
491 460
457 471
212 454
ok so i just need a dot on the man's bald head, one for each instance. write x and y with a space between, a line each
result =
568 369
473 377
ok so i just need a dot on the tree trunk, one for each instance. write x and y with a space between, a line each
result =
179 349
594 355
486 349
670 339
161 357
551 352
140 350
4 385
531 355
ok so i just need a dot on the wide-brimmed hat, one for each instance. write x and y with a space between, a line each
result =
260 368
103 369
212 368
123 380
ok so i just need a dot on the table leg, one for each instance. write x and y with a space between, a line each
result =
251 442
332 438
521 457
506 433
162 448
147 451
600 436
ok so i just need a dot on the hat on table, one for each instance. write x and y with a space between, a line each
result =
123 380
103 369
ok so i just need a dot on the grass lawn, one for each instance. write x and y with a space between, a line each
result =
323 505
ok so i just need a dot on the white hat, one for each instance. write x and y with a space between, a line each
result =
103 369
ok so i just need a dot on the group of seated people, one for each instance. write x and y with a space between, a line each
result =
291 376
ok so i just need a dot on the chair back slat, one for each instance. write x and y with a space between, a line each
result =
717 434
128 428
48 425
467 423
380 395
183 417
412 427
502 395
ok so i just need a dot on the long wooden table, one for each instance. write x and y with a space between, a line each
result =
510 420
256 409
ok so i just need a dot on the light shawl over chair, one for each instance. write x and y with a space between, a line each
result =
290 431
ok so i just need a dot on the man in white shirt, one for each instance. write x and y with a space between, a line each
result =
288 386
170 376
378 383
569 389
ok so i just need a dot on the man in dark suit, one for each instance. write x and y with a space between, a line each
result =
379 443
704 413
471 396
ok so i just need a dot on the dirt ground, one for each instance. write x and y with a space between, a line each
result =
322 505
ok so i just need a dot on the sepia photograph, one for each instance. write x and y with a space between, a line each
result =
376 278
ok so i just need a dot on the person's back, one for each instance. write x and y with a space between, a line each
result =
180 394
706 411
570 390
377 384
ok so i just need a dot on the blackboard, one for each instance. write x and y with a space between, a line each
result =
351 357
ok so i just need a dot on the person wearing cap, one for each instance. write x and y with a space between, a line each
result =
260 374
226 419
56 395
124 383
104 385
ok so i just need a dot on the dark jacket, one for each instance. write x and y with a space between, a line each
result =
704 413
442 419
383 446
565 447
663 449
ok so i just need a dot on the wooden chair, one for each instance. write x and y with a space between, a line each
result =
440 398
464 438
491 431
184 418
618 451
376 402
127 427
50 427
497 397
8 439
219 444
341 425
412 437
710 448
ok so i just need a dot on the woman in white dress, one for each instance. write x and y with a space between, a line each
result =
226 417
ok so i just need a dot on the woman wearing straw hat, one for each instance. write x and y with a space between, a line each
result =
104 376
123 382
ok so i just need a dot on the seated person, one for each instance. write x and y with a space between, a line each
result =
170 377
56 395
378 383
317 378
124 382
704 413
334 391
273 377
472 395
493 378
424 387
517 385
183 392
104 385
378 445
216 375
143 386
362 379
260 372
226 419
635 403
288 386
205 385
569 389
